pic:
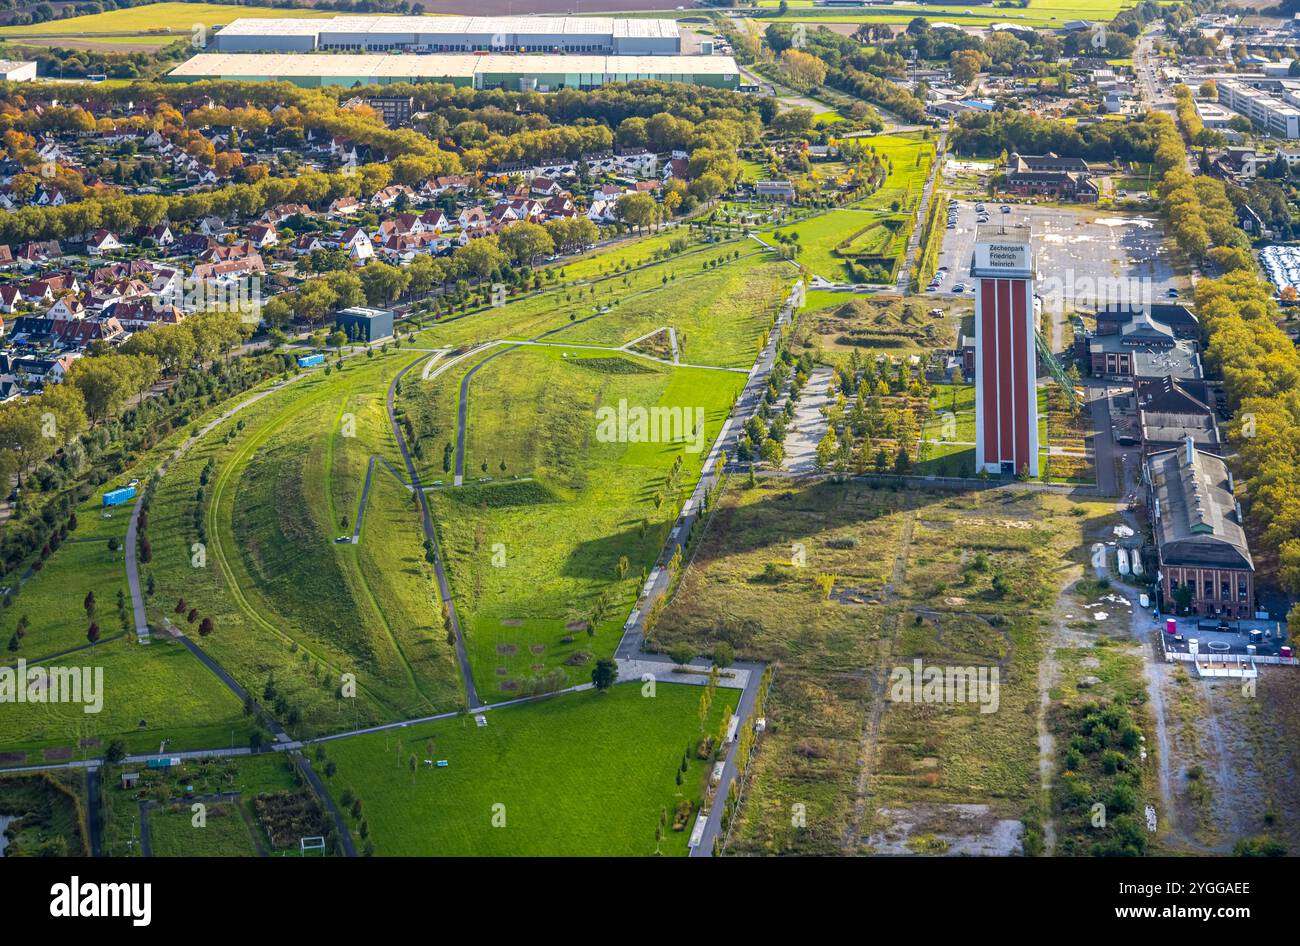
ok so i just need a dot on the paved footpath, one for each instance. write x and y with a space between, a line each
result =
633 663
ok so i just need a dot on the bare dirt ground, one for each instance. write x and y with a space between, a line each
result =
953 830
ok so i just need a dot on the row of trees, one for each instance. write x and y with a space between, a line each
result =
985 133
98 388
1261 373
1259 364
1200 214
848 68
517 247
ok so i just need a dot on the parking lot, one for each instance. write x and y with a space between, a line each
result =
1083 256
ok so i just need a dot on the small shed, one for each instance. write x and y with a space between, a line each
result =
129 779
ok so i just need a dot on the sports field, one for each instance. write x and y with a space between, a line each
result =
599 768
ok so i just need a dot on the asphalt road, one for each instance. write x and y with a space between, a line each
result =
1105 450
365 492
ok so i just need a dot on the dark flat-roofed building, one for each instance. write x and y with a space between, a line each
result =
1205 562
362 324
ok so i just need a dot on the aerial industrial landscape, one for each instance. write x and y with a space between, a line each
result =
814 427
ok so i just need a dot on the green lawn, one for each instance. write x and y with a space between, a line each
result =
952 422
530 562
609 279
223 832
818 237
958 401
583 774
877 224
718 314
150 694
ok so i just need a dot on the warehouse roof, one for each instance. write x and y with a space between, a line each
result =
290 65
506 25
273 26
613 65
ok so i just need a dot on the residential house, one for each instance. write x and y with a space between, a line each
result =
357 244
262 236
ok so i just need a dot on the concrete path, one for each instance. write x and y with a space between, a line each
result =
809 424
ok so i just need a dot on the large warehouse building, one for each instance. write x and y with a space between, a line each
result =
454 34
542 73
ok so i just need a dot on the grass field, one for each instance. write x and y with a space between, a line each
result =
912 578
150 694
820 235
635 300
1038 13
289 603
223 832
182 17
532 562
578 774
877 225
